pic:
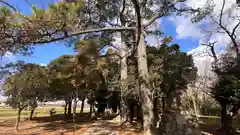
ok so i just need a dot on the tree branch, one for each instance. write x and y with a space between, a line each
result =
211 45
153 19
163 13
221 13
122 9
229 34
9 5
82 32
234 29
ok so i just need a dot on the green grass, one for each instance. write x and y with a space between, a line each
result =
215 120
9 112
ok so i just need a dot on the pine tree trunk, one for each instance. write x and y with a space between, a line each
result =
31 114
82 105
124 86
70 107
18 118
145 91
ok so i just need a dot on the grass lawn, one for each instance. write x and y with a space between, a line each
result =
6 113
211 120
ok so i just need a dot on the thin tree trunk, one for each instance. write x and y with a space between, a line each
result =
196 109
18 118
91 110
82 105
65 108
74 110
145 91
75 105
70 107
31 114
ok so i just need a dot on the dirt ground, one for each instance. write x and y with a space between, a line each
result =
59 125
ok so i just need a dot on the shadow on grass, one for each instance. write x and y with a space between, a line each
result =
83 122
60 122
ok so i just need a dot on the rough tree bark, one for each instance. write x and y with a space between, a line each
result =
145 91
124 109
123 63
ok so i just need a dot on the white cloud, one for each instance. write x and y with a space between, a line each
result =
7 58
43 64
185 28
153 39
202 30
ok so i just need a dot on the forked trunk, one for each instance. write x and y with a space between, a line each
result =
145 91
18 118
82 106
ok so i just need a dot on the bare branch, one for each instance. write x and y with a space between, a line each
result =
221 13
211 45
234 29
229 34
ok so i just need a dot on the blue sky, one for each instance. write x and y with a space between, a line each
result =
43 54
